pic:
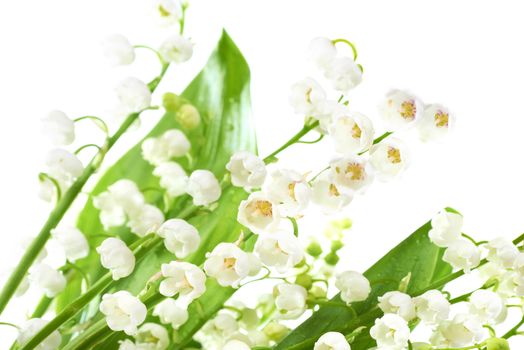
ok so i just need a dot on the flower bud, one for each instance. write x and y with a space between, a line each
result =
336 245
171 101
318 292
304 280
276 331
331 259
188 116
421 346
497 344
314 249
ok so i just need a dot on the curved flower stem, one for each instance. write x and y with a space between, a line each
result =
296 138
513 331
81 148
64 203
98 121
350 44
158 54
45 176
295 225
9 324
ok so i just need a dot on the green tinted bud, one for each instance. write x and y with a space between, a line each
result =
331 259
336 245
304 280
343 224
422 346
318 292
497 344
188 116
249 318
276 331
314 249
171 102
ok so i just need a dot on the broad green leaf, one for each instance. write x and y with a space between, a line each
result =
221 94
415 255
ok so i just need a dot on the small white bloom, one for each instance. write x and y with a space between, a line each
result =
432 307
397 303
152 336
223 326
227 263
49 280
391 332
170 312
176 49
353 286
247 170
389 158
290 300
72 241
344 74
435 123
488 306
401 109
258 213
204 187
123 311
117 257
254 264
145 219
351 132
180 237
168 11
322 52
59 128
281 250
327 196
352 172
182 278
64 166
289 190
332 341
173 178
462 330
31 328
171 144
502 251
134 95
118 50
446 228
235 344
307 97
127 344
462 254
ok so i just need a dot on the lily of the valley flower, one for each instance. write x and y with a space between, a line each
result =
123 311
31 328
344 74
389 158
351 132
171 144
173 178
290 300
258 213
118 50
390 332
117 257
353 286
235 344
327 196
435 123
59 128
462 330
168 12
462 254
183 279
353 173
397 303
180 237
176 49
49 280
171 312
247 170
446 228
307 97
152 336
332 341
289 190
134 95
145 219
432 307
281 250
227 263
72 241
64 167
322 52
401 109
204 187
502 251
487 306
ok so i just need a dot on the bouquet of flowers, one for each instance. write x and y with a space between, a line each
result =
191 240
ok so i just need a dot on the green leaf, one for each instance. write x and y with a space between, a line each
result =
221 94
416 255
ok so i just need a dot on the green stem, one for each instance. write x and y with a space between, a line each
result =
513 331
98 121
296 138
79 149
63 205
45 176
9 324
295 225
42 307
350 44
158 54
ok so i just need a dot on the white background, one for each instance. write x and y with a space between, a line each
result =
465 54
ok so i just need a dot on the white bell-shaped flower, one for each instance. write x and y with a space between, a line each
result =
255 265
332 341
223 326
145 219
32 327
446 228
322 52
353 286
118 50
327 196
247 170
171 144
289 190
290 300
204 187
307 97
487 306
168 12
123 311
351 132
389 158
390 332
235 344
72 241
64 166
401 109
176 49
227 263
117 257
152 336
502 251
281 250
435 123
173 178
344 74
351 173
462 254
397 303
432 307
171 312
180 237
134 95
186 280
49 280
59 128
462 330
258 213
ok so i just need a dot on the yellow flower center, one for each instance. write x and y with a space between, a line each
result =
356 170
356 131
333 190
394 155
264 207
308 95
163 11
291 189
441 119
408 109
229 262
